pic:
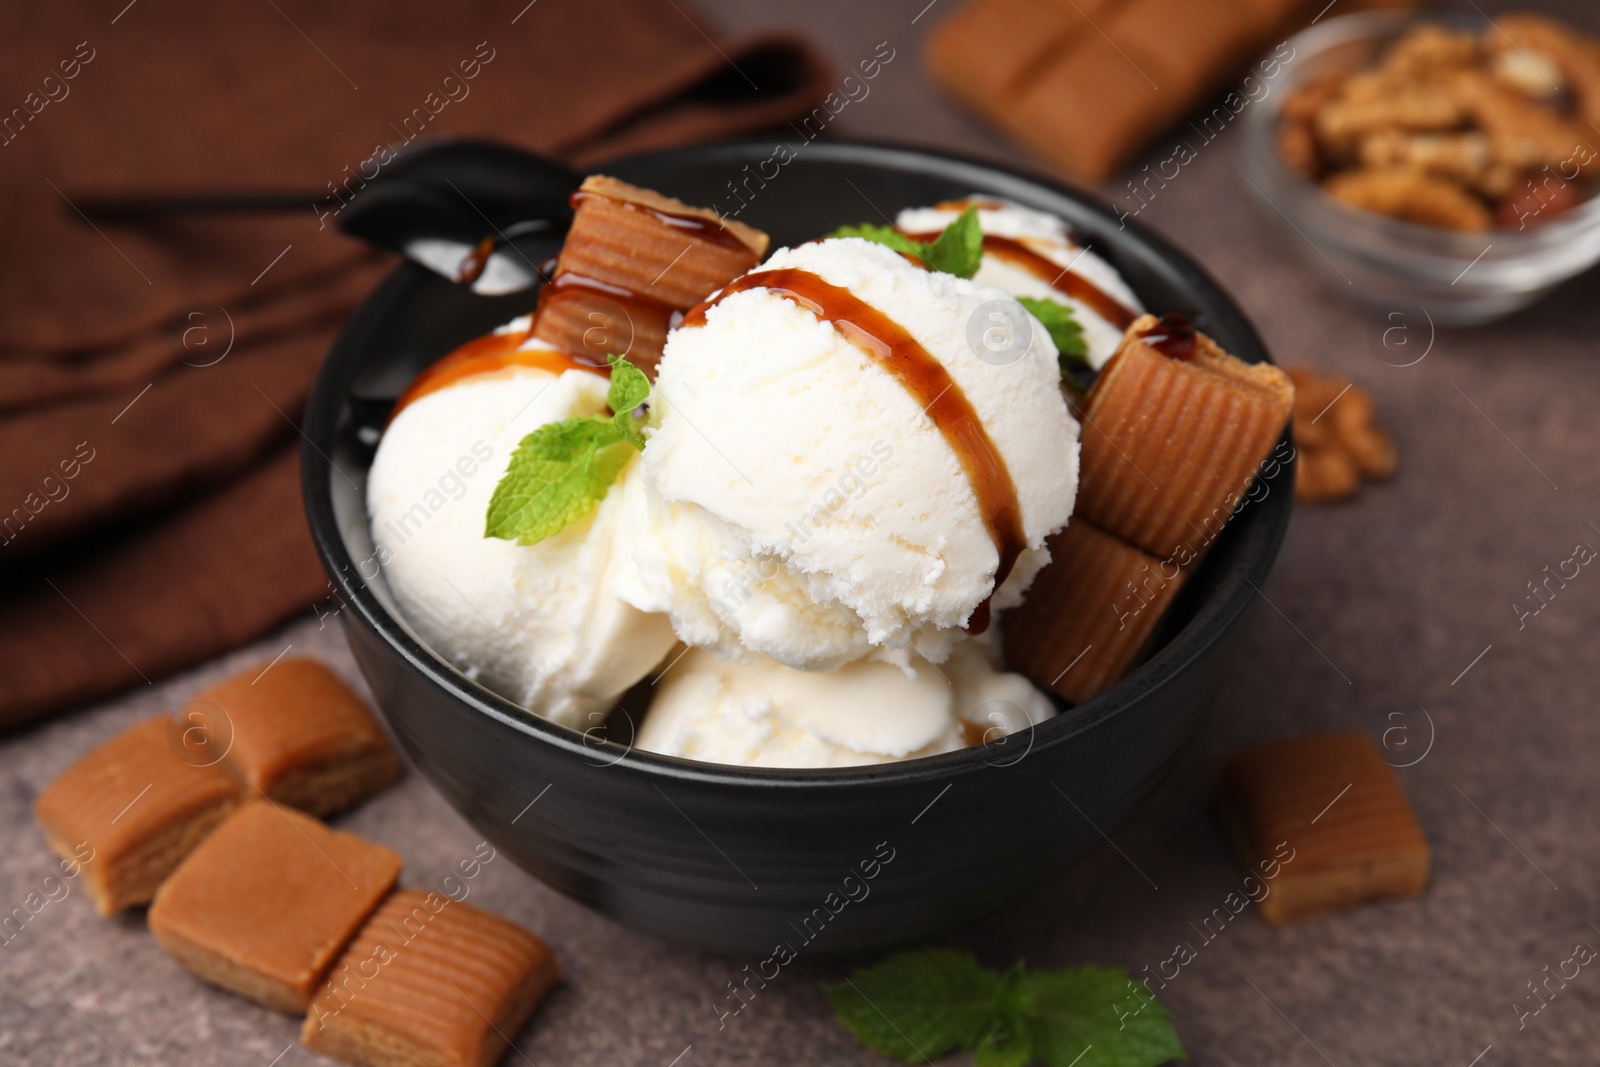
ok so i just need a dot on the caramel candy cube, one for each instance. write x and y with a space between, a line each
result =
980 58
1088 109
1089 613
266 904
299 736
1192 44
1082 83
1328 819
632 262
430 982
1173 434
132 809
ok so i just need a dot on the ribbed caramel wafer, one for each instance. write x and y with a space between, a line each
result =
1333 816
1089 613
632 259
430 982
1171 443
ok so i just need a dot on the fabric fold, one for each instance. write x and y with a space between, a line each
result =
152 373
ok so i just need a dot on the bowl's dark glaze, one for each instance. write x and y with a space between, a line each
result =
733 858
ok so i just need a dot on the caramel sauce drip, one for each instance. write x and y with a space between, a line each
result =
570 285
485 355
693 225
888 344
1055 275
474 262
981 203
1172 336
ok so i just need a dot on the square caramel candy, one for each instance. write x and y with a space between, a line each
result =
1089 108
978 57
265 905
1193 44
296 734
633 262
1330 816
1090 613
1174 432
132 809
430 982
1083 83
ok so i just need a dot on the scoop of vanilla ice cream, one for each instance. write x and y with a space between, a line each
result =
1050 237
537 624
763 714
803 507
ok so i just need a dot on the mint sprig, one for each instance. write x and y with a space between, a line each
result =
1062 326
957 250
629 389
916 1006
561 471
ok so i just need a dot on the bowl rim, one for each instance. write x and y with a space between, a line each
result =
1212 620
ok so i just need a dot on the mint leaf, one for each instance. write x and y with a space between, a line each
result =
1062 326
918 1005
556 476
562 470
1102 1010
1009 1041
959 248
629 389
883 235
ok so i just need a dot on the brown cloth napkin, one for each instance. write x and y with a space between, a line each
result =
151 375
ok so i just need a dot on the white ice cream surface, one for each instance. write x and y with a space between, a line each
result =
764 714
1050 237
537 624
802 506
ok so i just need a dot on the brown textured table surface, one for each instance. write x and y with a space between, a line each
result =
1397 602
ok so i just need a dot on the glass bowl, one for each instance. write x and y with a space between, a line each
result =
1459 278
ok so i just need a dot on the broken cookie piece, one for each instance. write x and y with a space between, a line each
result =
264 906
430 982
633 262
137 805
1330 818
301 737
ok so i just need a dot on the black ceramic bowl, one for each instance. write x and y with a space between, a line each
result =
744 860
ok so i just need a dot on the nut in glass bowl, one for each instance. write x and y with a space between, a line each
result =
1535 227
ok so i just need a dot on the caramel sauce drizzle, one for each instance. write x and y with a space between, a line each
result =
485 355
693 225
888 344
494 352
475 261
1055 275
979 202
1172 336
569 285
